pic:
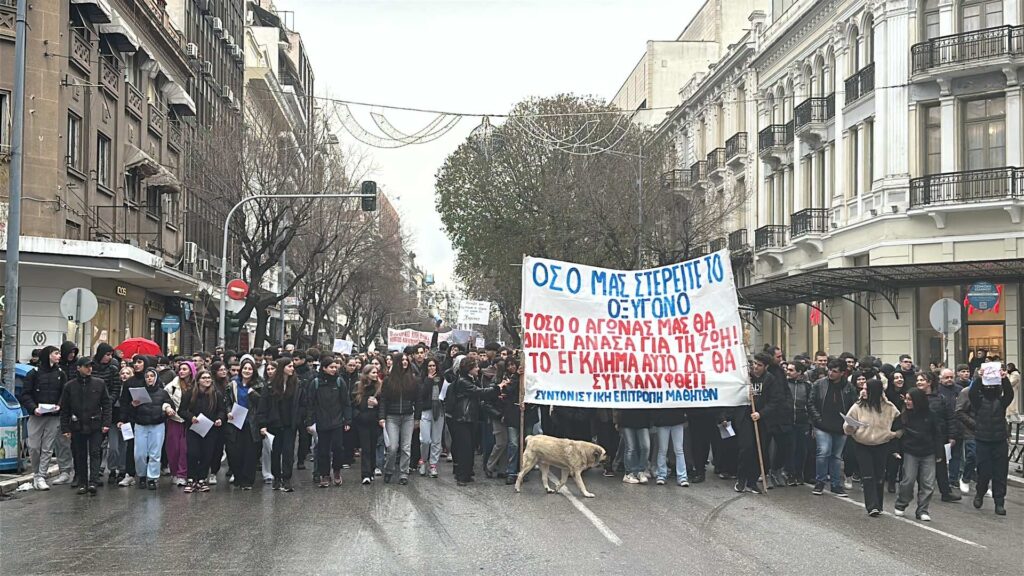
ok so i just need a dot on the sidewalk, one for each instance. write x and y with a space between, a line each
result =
10 483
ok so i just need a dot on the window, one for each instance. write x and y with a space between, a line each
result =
981 14
932 139
5 120
103 161
930 20
984 133
74 149
869 155
132 187
153 206
72 230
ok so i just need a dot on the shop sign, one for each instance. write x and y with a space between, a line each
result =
170 324
983 295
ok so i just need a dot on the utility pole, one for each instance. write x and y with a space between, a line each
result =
14 200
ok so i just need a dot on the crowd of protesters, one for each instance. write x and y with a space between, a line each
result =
823 421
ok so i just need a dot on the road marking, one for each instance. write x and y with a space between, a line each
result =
1013 478
920 525
600 525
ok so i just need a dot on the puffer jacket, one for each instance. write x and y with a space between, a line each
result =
467 396
399 402
109 372
150 413
800 391
878 429
984 414
44 385
84 406
943 412
330 403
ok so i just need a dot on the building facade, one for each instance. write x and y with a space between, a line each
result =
885 141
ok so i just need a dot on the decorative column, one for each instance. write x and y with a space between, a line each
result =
948 120
863 175
840 164
812 201
1013 119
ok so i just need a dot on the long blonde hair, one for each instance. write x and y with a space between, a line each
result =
364 381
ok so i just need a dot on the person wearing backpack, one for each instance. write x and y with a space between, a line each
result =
329 416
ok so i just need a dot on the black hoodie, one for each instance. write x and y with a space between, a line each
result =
136 381
922 429
44 385
68 355
109 372
150 413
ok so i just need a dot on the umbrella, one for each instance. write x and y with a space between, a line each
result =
133 346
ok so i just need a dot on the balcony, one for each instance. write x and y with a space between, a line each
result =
718 244
808 226
716 164
174 135
937 195
773 144
769 241
699 173
81 50
156 120
736 150
968 52
860 84
110 75
811 118
738 241
676 180
133 103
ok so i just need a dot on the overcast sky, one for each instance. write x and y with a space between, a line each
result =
476 56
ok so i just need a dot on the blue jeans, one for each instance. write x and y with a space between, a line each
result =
513 450
431 431
970 460
399 427
675 433
954 463
149 439
638 449
829 457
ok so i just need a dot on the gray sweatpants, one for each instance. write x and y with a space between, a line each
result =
44 438
919 470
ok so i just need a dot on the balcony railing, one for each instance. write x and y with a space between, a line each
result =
156 120
699 171
110 74
820 109
718 244
676 179
735 146
967 47
809 221
174 134
860 84
770 236
775 135
716 159
134 101
971 186
738 240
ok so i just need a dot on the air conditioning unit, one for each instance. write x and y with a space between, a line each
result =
191 50
228 39
238 53
225 92
206 68
191 252
204 265
218 25
236 105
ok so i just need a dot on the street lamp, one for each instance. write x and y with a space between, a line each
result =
484 137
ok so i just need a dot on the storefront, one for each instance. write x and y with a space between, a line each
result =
121 313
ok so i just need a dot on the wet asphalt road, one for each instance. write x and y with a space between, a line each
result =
434 527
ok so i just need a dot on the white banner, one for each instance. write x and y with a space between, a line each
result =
658 338
474 312
342 346
399 339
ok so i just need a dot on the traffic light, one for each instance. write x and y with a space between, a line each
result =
369 193
232 324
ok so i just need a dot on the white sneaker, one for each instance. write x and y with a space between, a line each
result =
62 478
989 493
127 481
644 479
212 480
925 518
179 482
965 487
847 483
630 479
659 481
231 480
174 480
898 513
377 472
40 484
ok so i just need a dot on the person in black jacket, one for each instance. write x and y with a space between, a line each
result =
246 443
329 416
466 395
106 367
44 386
202 400
928 382
305 373
281 412
69 358
831 397
800 436
350 437
140 363
921 443
364 405
772 411
149 418
984 415
397 414
85 418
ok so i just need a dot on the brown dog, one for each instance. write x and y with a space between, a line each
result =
572 456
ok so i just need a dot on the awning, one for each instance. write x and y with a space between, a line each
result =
177 97
826 283
165 180
142 163
95 11
119 34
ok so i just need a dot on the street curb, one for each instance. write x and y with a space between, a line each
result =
11 485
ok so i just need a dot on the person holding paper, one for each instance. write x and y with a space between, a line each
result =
148 418
245 390
922 440
174 433
85 419
221 376
872 436
365 420
45 385
984 414
329 415
137 380
202 399
280 413
831 397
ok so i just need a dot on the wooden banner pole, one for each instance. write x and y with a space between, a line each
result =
757 440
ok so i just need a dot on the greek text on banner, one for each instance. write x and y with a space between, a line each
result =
658 338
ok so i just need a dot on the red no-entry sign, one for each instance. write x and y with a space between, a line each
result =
237 289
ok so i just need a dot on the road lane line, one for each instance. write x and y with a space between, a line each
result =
597 522
919 525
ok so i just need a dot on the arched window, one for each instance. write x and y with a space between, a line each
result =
981 14
929 19
854 58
